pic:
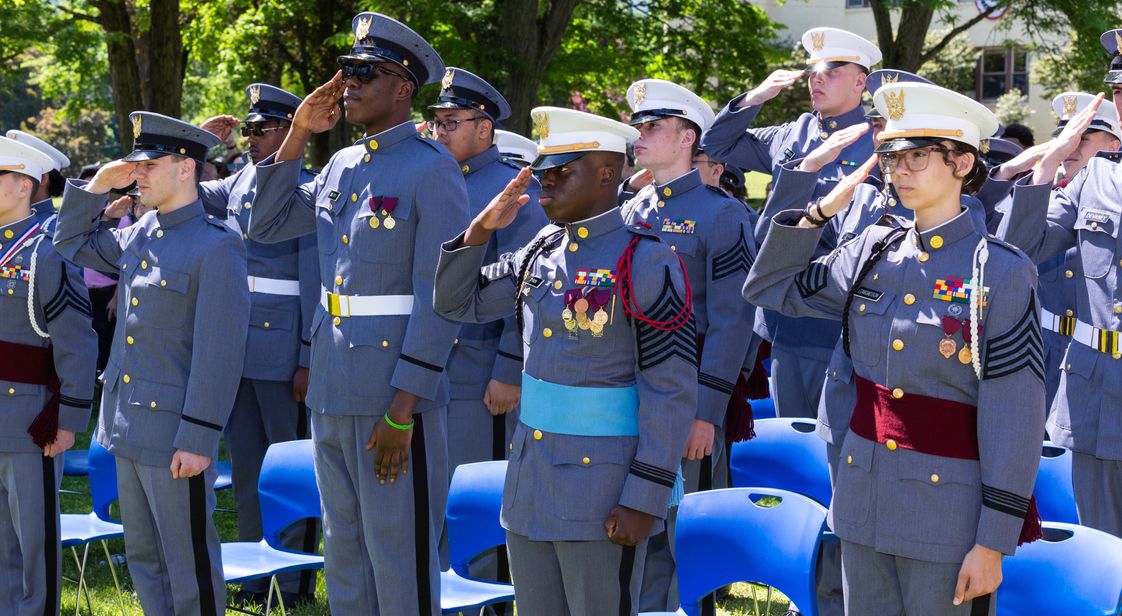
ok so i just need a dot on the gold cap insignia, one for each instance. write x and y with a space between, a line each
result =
449 75
1069 107
984 146
890 78
362 28
640 93
895 102
136 125
254 95
817 40
541 123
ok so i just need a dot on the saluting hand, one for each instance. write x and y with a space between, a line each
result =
221 126
771 87
117 209
840 197
1022 162
500 212
319 112
640 179
1066 142
830 149
117 174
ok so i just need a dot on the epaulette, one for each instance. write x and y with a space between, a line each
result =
509 163
996 241
1113 157
432 143
220 224
720 191
642 229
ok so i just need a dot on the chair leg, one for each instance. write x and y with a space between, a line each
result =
274 585
113 570
81 580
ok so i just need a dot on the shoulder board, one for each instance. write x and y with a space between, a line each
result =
1113 157
996 241
432 143
509 163
218 223
643 230
718 190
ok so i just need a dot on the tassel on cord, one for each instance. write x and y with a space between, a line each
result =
1031 530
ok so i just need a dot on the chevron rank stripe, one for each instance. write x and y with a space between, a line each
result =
736 259
1004 501
656 346
66 297
813 279
1020 347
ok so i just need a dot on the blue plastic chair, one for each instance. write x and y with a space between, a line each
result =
786 454
1055 497
475 499
82 529
288 493
724 536
1073 570
75 463
225 478
764 408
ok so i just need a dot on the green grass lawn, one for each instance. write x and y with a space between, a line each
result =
103 596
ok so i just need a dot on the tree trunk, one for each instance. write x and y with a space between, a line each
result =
904 49
166 60
124 77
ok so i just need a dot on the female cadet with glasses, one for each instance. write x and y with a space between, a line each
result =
941 322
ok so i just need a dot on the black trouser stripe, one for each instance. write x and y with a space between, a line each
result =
704 484
198 514
301 422
419 468
311 542
981 605
626 568
498 437
50 537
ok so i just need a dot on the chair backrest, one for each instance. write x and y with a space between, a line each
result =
786 454
475 500
725 536
1055 497
287 489
764 408
1072 570
103 480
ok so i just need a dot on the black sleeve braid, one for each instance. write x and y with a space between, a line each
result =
523 269
874 255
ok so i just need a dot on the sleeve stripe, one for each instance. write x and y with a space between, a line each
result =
713 382
653 474
510 356
75 402
199 422
425 365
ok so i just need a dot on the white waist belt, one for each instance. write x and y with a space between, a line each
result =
1059 323
1102 340
273 286
365 305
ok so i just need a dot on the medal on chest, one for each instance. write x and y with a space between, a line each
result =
590 306
948 346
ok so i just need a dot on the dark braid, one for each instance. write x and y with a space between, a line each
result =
879 249
523 269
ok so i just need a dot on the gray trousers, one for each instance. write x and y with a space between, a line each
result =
1098 492
29 533
798 383
266 413
660 581
830 591
380 539
575 578
886 585
171 545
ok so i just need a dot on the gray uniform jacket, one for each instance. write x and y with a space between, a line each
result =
358 361
182 315
493 348
1086 215
278 324
62 310
896 498
562 487
712 234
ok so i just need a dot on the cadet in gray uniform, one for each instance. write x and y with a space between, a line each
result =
283 291
941 453
712 234
1085 214
51 183
609 386
378 390
838 64
480 414
47 353
178 351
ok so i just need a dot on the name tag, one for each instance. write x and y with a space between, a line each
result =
870 294
333 195
534 281
1093 216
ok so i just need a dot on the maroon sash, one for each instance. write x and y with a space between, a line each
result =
33 365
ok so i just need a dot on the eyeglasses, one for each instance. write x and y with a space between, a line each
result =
914 160
365 72
450 126
256 130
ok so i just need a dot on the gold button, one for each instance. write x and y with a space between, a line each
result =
1068 367
572 247
385 343
511 446
143 265
11 391
674 248
892 202
582 232
661 204
897 393
135 302
586 460
936 241
465 168
346 240
876 276
8 233
833 124
1068 312
11 292
923 257
366 158
129 339
557 284
245 236
898 344
338 280
163 283
124 266
159 233
1094 225
266 324
537 435
1116 355
247 205
667 192
153 405
849 459
934 478
548 333
372 144
456 341
890 444
1117 309
909 299
824 136
861 308
126 378
354 197
336 321
1069 274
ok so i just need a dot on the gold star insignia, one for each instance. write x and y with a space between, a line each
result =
1069 107
449 75
818 40
895 102
640 93
362 28
254 95
541 123
136 125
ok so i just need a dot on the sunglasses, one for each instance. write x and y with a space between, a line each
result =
365 72
256 130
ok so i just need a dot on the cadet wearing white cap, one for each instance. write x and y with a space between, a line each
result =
712 234
516 148
837 67
609 386
47 354
51 183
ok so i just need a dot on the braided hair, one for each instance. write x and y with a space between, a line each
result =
524 268
875 254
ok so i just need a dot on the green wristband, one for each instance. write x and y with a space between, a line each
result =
398 426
